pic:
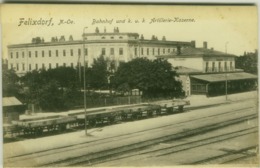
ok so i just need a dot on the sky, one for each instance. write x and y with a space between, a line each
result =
224 27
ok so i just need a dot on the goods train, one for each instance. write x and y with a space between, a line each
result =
108 115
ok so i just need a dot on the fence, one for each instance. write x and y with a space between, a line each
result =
110 101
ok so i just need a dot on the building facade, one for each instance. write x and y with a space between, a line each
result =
209 72
120 47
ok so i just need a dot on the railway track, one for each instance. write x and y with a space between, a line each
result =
172 148
132 150
99 156
230 156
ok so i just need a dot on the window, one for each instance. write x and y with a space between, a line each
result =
23 54
49 65
71 65
17 54
17 67
213 66
120 37
36 54
64 53
112 51
207 67
120 51
153 51
11 55
158 51
231 65
42 53
57 53
169 50
135 51
30 54
57 65
112 37
30 67
49 53
86 51
71 52
103 37
79 51
164 51
103 52
147 51
64 64
43 66
23 67
36 66
225 66
12 66
142 51
219 66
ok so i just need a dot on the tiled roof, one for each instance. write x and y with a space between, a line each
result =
224 77
11 101
190 51
185 70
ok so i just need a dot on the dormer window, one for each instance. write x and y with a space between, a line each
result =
120 37
103 37
112 37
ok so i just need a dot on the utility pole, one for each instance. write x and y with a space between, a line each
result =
85 99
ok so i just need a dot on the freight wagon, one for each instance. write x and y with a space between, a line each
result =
92 117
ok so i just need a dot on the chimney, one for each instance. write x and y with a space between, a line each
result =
193 44
205 45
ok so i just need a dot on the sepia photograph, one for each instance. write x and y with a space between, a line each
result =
129 85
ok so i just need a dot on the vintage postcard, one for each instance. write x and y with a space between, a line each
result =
117 85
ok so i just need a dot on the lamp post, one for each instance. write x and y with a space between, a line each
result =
85 103
226 84
226 72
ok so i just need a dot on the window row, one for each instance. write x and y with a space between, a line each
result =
112 37
215 68
49 53
38 66
112 51
154 50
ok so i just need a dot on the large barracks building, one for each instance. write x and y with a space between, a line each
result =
120 47
201 70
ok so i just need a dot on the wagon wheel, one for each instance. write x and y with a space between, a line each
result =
180 108
134 116
150 113
124 117
92 123
111 119
170 110
158 111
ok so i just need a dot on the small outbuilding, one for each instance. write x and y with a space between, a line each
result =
12 108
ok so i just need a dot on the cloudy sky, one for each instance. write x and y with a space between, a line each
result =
233 26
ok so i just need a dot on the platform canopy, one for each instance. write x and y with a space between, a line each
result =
224 77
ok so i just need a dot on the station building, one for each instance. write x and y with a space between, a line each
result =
209 72
116 46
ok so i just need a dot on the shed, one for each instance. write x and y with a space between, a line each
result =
12 108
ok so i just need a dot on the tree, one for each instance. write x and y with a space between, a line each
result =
52 90
11 86
248 62
154 78
97 75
